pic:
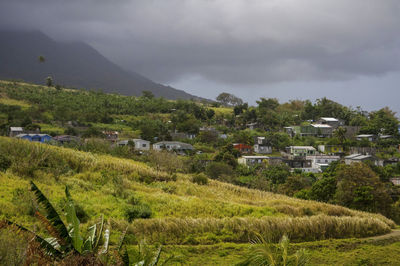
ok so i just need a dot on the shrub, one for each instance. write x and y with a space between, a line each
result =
217 169
138 211
200 179
5 162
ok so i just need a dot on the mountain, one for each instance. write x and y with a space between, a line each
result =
71 64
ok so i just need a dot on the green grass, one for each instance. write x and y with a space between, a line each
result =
215 221
8 101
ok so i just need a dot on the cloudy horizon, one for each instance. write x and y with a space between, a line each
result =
347 51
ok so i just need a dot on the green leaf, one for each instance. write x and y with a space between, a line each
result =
73 223
98 237
50 246
52 215
104 249
90 241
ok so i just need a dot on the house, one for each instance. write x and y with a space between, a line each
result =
261 146
322 161
317 130
252 160
243 148
359 158
181 135
64 139
14 131
333 122
301 163
363 150
139 144
35 137
252 126
301 151
331 149
368 137
395 181
111 135
172 146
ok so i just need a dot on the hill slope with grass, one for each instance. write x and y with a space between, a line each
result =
178 210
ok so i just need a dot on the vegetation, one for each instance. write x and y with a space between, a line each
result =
203 199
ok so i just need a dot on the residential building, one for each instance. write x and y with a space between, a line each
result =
64 139
139 144
35 137
262 146
243 148
333 122
177 146
317 130
111 135
395 181
252 160
331 149
358 158
301 151
322 161
368 137
14 131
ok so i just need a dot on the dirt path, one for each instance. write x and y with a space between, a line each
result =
391 235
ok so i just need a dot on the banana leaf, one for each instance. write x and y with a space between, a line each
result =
52 216
73 223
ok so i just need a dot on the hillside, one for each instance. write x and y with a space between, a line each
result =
183 213
71 64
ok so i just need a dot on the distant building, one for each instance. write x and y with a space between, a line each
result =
331 149
317 130
63 139
14 131
35 137
262 146
368 137
395 181
331 121
243 148
111 135
252 160
301 151
139 144
322 161
172 146
359 158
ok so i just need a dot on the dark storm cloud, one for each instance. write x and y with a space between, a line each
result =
227 41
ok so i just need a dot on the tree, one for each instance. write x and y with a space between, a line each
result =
148 94
49 81
358 187
228 99
340 134
41 59
323 189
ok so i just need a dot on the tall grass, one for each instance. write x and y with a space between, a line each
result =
241 230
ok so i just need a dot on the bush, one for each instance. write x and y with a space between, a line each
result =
5 162
138 211
200 179
217 169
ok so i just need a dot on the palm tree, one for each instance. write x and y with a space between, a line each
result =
263 253
340 134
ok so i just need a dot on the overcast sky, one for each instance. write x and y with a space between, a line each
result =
347 50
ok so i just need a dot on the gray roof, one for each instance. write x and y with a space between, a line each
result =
31 135
182 145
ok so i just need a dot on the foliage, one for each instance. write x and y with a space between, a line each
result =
264 253
200 179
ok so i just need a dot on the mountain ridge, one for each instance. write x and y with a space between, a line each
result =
72 64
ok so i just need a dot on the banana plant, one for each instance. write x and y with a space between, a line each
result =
66 238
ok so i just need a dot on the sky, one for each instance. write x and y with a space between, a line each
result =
348 51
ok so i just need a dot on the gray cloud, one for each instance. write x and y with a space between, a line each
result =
230 41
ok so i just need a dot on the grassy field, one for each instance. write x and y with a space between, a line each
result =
199 217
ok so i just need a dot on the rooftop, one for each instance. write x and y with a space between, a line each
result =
329 119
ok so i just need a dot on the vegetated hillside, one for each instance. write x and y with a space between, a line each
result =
171 209
71 64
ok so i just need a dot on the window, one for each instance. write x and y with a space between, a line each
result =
144 145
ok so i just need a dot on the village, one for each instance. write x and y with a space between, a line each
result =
303 159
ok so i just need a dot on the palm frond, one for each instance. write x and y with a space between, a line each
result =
156 257
52 216
122 239
106 237
49 246
50 228
99 234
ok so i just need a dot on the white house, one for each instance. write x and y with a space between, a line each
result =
172 146
322 161
368 137
14 131
140 144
